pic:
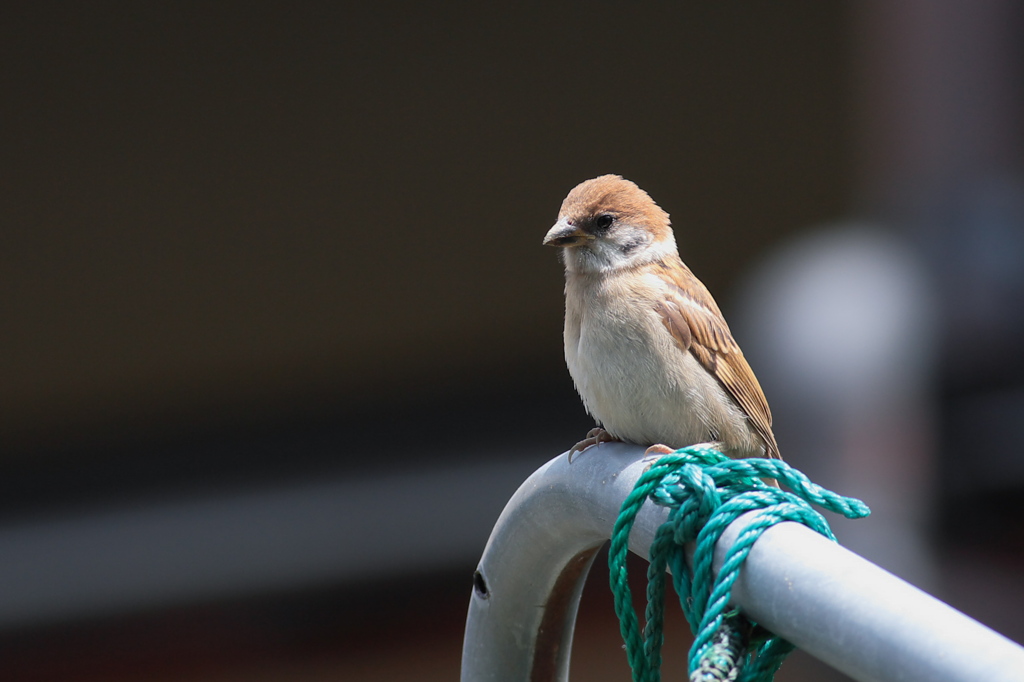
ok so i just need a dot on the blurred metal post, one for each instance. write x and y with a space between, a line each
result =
828 601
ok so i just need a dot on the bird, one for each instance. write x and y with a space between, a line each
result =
647 347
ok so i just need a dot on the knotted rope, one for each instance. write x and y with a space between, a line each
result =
706 491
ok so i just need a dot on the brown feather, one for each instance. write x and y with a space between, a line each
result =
695 322
677 325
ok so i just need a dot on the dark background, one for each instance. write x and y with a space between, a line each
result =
254 247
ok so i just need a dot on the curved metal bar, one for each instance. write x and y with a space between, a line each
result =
828 601
528 584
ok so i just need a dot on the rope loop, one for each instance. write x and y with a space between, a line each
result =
706 491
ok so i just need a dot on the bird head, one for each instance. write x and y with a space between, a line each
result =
609 223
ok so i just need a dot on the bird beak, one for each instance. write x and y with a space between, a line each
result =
565 234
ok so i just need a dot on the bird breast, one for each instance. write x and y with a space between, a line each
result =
633 378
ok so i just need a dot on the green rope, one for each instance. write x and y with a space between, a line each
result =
705 492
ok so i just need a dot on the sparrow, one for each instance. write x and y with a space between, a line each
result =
647 346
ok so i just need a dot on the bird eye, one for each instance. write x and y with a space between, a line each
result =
604 221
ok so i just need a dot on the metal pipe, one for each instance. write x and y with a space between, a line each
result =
828 601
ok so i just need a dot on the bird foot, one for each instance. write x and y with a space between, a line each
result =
595 436
654 453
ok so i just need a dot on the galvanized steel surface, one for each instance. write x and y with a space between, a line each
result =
828 601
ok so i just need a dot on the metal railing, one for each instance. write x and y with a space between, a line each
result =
823 598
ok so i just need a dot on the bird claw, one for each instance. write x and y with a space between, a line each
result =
658 450
654 453
595 436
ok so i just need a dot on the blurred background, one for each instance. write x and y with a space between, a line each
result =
278 338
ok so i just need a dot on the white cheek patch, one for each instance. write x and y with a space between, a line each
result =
613 252
629 240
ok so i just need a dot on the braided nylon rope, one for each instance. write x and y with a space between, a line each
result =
706 491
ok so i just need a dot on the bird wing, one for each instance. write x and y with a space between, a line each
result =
692 317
